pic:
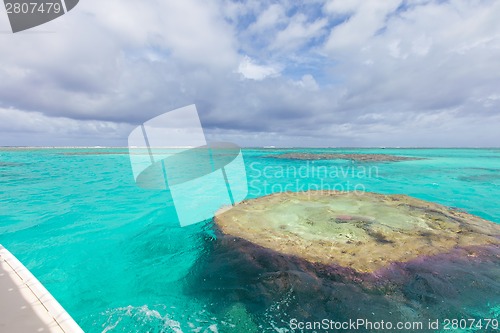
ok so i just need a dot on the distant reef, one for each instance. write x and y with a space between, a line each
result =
353 157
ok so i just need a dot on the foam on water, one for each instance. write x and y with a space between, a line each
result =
143 319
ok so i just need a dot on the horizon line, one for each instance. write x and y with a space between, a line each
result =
257 147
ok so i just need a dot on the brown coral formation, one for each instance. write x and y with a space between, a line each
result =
362 231
353 157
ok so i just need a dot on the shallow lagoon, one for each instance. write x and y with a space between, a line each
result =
114 255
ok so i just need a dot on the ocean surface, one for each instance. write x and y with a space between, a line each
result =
115 257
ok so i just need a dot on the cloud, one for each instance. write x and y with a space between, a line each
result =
366 18
308 82
23 128
332 73
298 32
270 18
249 70
414 63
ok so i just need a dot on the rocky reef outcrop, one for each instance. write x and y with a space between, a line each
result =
343 256
362 231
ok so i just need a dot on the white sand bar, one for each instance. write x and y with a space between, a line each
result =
25 305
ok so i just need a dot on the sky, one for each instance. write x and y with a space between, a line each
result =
360 73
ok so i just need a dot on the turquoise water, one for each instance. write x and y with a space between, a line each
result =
115 257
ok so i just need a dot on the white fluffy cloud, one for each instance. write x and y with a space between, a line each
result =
250 70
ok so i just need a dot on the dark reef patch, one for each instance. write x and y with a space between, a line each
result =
275 288
338 156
